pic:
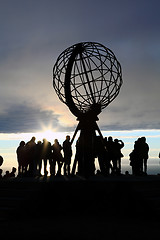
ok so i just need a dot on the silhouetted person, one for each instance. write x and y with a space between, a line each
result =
7 175
118 145
145 150
52 163
1 160
38 157
67 149
138 156
57 157
107 158
46 154
135 161
111 154
1 171
100 152
13 172
98 172
78 158
132 158
21 154
31 156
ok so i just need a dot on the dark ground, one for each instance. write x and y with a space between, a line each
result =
114 207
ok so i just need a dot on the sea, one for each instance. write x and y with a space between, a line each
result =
153 167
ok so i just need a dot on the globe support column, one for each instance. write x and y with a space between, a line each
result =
86 164
86 152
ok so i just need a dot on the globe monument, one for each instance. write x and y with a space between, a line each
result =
87 77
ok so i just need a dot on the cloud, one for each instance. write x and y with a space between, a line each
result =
34 33
23 118
129 119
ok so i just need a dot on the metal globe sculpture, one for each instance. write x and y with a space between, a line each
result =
87 77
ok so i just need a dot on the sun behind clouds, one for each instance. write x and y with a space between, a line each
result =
50 135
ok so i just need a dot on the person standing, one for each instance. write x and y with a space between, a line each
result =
38 157
31 155
110 146
145 150
139 156
56 157
21 157
100 152
67 149
119 144
46 154
13 172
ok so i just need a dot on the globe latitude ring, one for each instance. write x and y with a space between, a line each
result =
87 77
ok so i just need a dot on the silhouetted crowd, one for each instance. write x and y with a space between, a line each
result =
31 156
109 155
8 174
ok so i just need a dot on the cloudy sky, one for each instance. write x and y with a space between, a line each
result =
35 32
